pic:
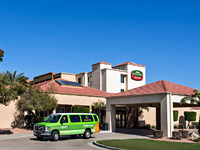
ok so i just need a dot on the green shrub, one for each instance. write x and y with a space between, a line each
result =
153 127
38 119
44 118
148 126
175 112
79 109
181 126
195 125
28 119
197 140
190 116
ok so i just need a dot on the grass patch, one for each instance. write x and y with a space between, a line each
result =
144 144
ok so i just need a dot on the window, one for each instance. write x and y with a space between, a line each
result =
52 118
79 81
60 110
75 118
64 119
122 90
95 118
86 118
122 79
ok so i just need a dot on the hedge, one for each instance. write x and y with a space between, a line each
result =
190 116
79 109
195 125
175 115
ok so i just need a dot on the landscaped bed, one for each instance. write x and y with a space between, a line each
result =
145 144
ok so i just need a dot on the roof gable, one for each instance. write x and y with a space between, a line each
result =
129 63
158 87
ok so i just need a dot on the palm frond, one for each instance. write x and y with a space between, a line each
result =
185 99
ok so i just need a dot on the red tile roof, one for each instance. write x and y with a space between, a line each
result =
129 63
45 74
85 90
157 88
102 62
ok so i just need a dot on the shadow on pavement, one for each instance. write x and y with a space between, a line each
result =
8 132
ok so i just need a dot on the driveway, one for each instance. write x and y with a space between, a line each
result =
29 142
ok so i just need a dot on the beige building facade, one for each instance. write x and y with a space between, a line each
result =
123 88
7 115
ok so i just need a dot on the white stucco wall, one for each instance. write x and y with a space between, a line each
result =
132 83
113 80
97 75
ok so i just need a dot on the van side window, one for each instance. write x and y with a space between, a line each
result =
86 118
64 119
95 118
75 118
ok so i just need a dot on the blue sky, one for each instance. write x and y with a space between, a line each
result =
68 36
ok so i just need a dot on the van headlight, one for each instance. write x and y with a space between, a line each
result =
47 129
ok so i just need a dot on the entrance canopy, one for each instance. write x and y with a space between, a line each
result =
163 95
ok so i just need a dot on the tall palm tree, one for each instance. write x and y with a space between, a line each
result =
1 55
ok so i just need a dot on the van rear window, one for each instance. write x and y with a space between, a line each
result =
95 118
75 118
86 118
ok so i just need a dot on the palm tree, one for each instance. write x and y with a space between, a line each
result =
1 55
14 77
98 106
194 98
12 85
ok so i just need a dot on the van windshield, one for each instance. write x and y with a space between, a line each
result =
52 118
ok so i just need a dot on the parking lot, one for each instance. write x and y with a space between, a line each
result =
29 142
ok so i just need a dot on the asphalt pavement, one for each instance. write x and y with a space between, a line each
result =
27 141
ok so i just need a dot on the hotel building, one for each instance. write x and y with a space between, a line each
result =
123 88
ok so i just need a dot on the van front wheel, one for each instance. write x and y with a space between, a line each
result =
87 134
55 135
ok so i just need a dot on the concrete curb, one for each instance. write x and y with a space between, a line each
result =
105 131
104 146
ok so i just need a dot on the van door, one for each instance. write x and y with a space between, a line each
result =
64 125
76 126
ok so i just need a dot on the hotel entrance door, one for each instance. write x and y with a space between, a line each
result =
120 119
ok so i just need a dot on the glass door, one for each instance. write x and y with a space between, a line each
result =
120 119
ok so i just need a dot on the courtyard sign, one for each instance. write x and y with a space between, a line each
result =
137 75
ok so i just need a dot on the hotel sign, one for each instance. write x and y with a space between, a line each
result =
137 75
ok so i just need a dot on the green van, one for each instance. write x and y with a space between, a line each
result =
73 124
